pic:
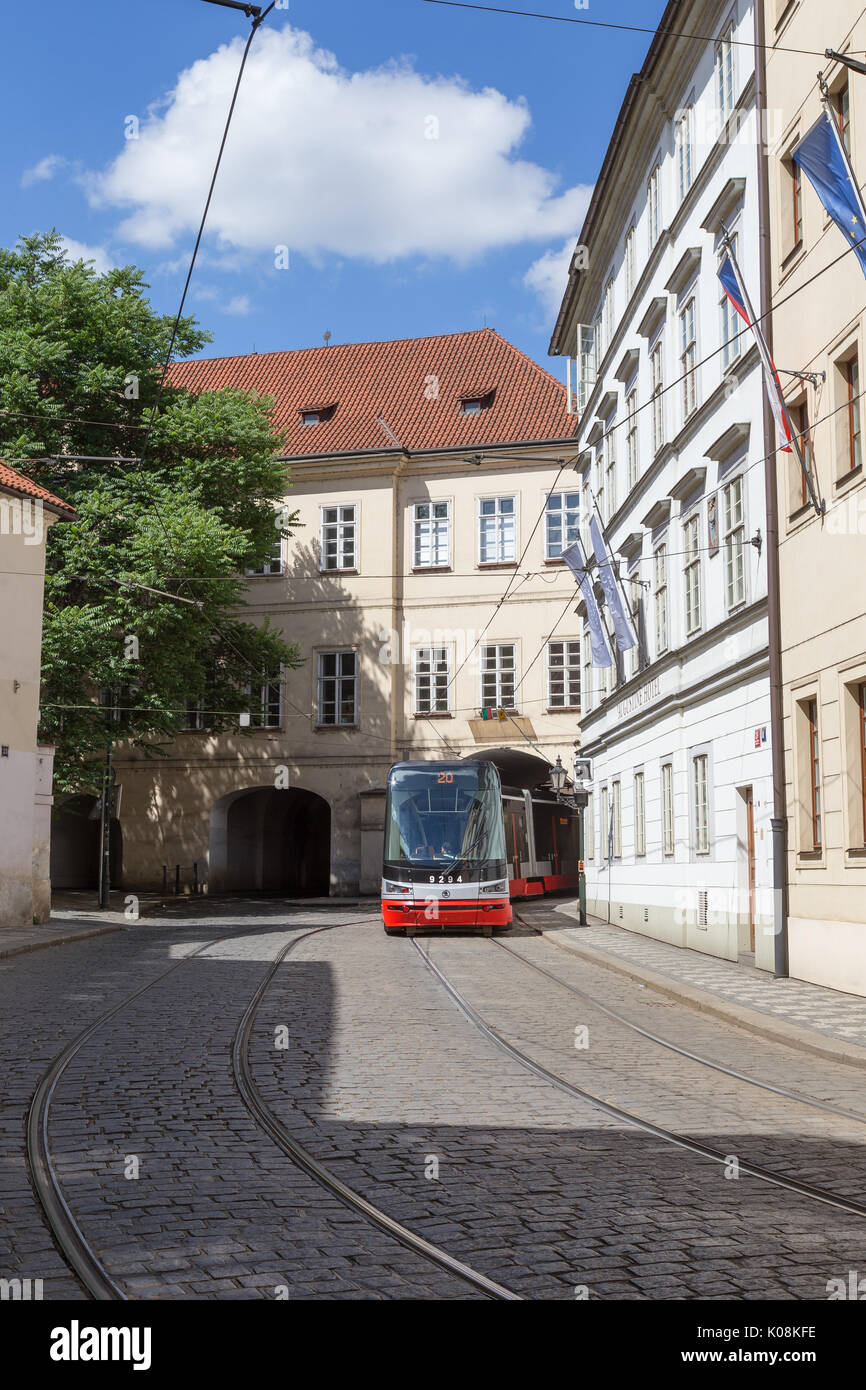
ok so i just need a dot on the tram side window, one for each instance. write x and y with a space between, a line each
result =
516 838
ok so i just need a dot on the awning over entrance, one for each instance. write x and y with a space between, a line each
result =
516 768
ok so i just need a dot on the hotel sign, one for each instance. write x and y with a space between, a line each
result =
645 696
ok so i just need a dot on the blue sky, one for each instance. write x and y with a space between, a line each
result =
426 167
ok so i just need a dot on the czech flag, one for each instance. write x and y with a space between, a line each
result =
731 286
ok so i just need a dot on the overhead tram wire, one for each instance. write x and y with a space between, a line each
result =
622 28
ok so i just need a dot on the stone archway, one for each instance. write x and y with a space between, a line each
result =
75 844
264 840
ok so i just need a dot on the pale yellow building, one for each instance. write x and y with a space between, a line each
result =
26 513
818 327
433 483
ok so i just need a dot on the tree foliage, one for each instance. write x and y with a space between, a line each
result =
80 363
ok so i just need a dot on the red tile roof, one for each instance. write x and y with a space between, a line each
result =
12 481
414 384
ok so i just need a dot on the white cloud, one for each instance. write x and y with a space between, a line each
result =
80 251
548 276
328 161
44 170
239 304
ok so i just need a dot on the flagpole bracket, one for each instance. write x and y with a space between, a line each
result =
814 378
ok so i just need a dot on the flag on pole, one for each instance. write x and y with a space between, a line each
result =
576 561
824 160
736 292
609 582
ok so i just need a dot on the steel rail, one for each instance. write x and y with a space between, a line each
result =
682 1051
282 1136
754 1170
68 1236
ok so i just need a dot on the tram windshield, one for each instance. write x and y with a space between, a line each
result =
440 815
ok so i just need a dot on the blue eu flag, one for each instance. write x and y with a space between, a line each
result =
820 157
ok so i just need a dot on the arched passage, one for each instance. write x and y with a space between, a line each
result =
75 846
265 840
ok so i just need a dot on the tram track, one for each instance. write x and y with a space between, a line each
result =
66 1231
590 999
682 1141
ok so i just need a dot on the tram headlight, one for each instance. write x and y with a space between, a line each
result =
501 886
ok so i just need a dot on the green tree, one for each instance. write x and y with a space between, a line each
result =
80 364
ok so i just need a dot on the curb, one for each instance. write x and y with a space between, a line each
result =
753 1020
6 952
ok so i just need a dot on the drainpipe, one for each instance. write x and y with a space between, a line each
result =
398 672
779 820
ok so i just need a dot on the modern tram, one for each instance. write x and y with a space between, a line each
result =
459 846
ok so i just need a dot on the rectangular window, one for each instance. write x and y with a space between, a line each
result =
688 358
339 537
563 675
631 438
608 314
685 155
731 323
815 772
692 571
432 679
610 472
842 110
667 808
561 522
497 530
660 585
800 423
701 803
735 543
195 716
617 819
629 263
658 387
273 564
599 484
498 675
653 201
587 672
852 387
725 74
589 827
266 703
796 193
431 545
639 815
605 828
337 688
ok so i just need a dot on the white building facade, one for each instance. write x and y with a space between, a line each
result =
672 451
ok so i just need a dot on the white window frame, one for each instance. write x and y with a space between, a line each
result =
589 827
610 479
586 689
339 524
437 658
657 375
503 676
272 565
338 677
639 797
631 439
653 199
660 597
692 574
700 796
616 803
608 314
557 512
734 523
266 707
630 261
688 319
432 528
685 150
725 73
731 323
669 842
568 671
499 530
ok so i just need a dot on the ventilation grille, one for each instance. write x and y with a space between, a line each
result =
702 908
620 912
646 914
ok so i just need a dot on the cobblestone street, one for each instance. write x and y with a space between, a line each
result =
358 1050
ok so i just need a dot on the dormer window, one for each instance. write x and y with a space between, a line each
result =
317 412
474 401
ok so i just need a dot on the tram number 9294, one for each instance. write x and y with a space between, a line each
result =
443 879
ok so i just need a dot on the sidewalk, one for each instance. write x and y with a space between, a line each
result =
15 941
802 1015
